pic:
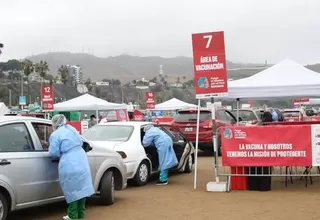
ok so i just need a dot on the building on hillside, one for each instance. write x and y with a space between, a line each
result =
75 75
35 77
102 83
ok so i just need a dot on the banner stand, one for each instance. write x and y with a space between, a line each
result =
197 147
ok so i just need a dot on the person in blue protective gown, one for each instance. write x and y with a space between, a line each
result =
74 171
154 137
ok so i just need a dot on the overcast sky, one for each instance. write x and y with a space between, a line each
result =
255 30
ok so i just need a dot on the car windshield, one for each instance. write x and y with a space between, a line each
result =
109 133
187 116
245 115
291 114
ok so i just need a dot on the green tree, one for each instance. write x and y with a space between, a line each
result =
42 68
27 68
63 73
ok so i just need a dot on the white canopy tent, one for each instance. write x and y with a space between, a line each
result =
174 104
285 79
87 102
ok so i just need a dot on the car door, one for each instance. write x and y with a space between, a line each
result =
179 143
22 163
43 131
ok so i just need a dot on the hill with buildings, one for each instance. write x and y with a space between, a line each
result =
125 67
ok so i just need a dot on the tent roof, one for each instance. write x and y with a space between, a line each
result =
285 79
87 102
174 104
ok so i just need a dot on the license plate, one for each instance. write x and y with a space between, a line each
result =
188 129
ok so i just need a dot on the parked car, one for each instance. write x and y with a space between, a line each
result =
29 176
126 139
293 115
186 122
249 116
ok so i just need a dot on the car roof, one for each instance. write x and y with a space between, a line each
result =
22 118
201 109
130 123
292 110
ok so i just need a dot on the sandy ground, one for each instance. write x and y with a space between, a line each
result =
178 200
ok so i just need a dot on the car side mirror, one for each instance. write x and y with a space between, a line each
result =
240 119
86 147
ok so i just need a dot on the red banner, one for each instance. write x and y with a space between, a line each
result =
150 100
47 98
209 60
282 145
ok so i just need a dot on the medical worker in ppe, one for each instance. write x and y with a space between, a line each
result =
74 171
154 137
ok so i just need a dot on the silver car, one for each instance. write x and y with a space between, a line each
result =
29 176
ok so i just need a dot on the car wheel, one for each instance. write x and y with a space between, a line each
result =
142 175
3 207
107 188
189 165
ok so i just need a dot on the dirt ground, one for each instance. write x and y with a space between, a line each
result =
178 200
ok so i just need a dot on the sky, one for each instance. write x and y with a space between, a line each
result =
255 30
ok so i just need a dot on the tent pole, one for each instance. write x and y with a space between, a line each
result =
238 104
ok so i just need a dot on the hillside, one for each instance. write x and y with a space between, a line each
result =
124 67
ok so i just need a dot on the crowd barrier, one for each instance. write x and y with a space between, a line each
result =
299 158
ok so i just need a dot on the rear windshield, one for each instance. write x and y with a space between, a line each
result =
187 116
291 114
245 115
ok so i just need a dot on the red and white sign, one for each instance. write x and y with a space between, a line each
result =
209 60
47 98
150 100
80 126
304 101
283 145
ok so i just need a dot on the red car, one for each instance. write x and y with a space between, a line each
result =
186 122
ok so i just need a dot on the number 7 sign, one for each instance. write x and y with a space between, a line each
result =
209 59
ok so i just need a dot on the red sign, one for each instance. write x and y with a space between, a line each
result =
209 60
280 145
47 98
150 100
150 106
303 101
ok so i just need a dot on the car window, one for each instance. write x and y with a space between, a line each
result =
15 138
291 114
109 133
221 115
43 131
175 134
229 116
187 116
246 115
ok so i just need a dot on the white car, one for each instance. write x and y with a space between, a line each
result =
28 175
126 137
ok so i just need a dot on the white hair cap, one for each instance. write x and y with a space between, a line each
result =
58 120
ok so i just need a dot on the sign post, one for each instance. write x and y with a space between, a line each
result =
47 98
211 80
150 100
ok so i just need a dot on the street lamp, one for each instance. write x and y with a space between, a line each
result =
1 47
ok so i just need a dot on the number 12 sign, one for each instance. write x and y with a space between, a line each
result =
47 98
209 60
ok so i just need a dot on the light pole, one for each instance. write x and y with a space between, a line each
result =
1 47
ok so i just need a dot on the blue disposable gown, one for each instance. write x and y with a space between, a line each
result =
74 171
163 142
